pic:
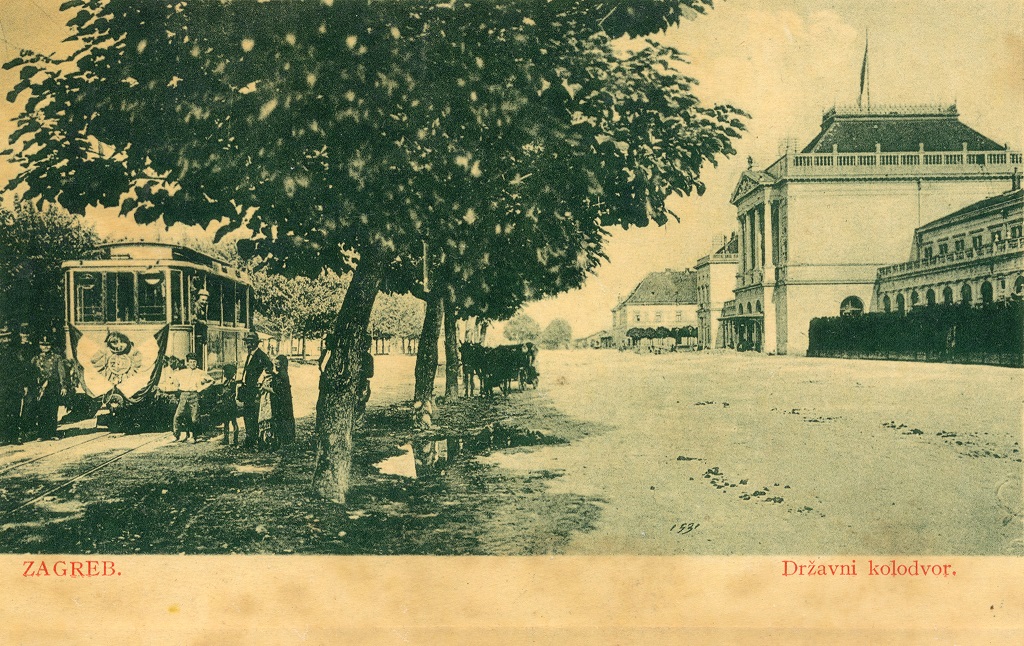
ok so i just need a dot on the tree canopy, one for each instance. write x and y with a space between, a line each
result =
33 244
522 328
557 335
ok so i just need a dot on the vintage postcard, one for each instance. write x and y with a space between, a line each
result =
608 321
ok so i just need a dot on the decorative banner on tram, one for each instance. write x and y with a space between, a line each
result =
112 361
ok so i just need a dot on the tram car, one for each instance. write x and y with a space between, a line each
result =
134 316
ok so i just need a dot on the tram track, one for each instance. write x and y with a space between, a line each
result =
69 481
12 467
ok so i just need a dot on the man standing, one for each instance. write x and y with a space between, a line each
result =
191 382
13 387
51 387
256 363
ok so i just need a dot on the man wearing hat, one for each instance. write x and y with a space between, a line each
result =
256 363
51 385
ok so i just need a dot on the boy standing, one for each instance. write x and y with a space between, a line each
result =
191 381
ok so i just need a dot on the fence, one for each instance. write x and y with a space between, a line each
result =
992 334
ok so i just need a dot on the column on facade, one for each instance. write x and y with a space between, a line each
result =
768 262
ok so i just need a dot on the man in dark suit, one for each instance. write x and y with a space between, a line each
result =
256 363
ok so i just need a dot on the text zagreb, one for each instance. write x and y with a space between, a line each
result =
892 567
72 569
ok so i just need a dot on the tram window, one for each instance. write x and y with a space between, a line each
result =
152 296
177 307
230 303
215 310
88 297
120 294
243 304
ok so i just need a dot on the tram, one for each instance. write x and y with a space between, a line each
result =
146 307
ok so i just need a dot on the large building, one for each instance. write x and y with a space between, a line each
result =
662 299
716 277
974 255
815 226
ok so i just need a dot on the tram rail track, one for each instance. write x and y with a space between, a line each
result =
12 467
69 481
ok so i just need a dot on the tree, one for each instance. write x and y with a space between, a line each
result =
522 328
558 334
297 307
33 244
492 142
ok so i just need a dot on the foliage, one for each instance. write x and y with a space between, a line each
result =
558 334
297 307
522 328
956 333
396 316
33 244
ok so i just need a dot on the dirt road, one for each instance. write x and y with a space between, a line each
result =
728 453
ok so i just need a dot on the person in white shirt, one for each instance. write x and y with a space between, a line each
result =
191 381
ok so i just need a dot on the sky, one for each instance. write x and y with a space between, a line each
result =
782 61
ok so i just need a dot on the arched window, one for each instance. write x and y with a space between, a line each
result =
947 295
757 307
965 294
748 308
887 303
901 304
929 297
986 292
914 299
852 306
1018 286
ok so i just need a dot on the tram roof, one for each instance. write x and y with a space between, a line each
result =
155 254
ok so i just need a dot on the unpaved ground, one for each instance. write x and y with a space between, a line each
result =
616 453
730 453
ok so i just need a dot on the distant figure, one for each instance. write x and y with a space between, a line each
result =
13 387
227 404
51 381
281 402
191 381
256 363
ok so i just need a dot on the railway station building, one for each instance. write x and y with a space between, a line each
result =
816 225
972 256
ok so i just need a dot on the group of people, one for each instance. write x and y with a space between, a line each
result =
34 380
264 393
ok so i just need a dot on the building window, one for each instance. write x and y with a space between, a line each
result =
986 292
914 299
852 306
657 316
958 245
943 248
928 251
901 304
1018 286
947 296
886 303
976 242
636 317
997 235
929 297
757 307
679 315
965 294
1015 231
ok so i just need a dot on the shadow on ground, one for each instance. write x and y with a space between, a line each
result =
208 499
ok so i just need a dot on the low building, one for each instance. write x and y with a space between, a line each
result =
974 255
716 277
663 299
602 339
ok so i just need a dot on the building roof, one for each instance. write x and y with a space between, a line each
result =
980 208
664 288
730 247
897 129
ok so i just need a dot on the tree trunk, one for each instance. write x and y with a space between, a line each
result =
451 350
342 382
483 332
426 361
